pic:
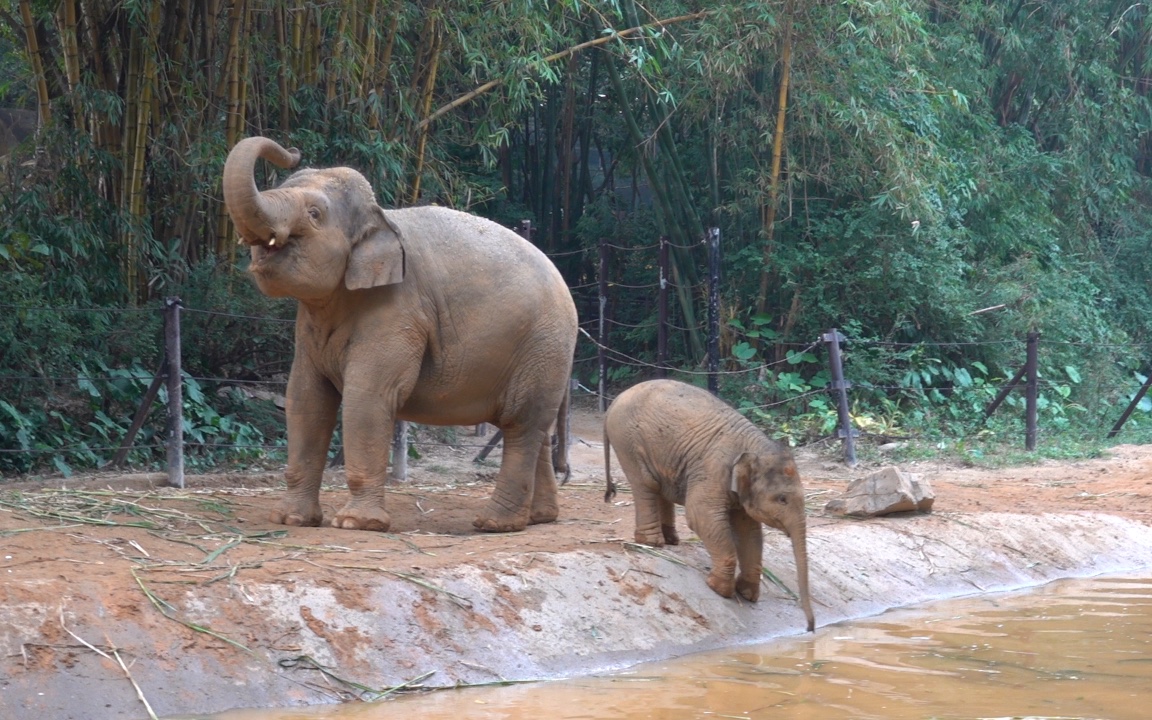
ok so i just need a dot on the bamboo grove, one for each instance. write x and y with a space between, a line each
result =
890 167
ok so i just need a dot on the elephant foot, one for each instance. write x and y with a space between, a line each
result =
651 539
722 585
297 514
749 589
500 524
498 517
357 516
670 536
545 513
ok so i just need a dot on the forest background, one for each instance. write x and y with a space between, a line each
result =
936 179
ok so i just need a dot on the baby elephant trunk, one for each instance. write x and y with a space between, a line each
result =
799 537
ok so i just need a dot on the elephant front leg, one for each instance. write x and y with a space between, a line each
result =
749 535
715 531
310 405
368 427
511 506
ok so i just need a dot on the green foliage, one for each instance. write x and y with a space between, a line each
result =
954 175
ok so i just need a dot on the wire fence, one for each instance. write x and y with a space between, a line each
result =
638 299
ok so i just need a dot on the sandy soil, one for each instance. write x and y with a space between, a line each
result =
432 513
132 542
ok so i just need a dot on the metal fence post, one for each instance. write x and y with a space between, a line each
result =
175 392
603 334
662 310
836 367
1030 397
713 309
400 451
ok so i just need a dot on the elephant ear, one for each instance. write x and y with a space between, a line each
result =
743 470
377 256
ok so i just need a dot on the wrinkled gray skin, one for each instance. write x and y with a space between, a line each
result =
424 314
679 444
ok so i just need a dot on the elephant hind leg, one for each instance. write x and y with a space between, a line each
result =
647 499
509 509
545 507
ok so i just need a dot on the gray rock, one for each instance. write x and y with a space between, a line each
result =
884 492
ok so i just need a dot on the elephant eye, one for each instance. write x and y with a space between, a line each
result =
782 499
314 213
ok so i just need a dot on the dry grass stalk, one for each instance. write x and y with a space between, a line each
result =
637 547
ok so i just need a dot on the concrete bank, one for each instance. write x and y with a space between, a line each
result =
513 616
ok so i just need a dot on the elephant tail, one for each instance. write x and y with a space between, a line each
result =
560 449
610 490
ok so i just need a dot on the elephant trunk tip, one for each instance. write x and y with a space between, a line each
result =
610 492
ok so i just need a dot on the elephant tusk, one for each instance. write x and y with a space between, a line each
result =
272 241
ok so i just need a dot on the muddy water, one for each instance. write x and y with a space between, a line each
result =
1073 649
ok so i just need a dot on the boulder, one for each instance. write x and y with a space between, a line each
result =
882 493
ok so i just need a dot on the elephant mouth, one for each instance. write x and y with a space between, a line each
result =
263 252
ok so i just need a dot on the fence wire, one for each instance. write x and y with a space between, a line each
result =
627 301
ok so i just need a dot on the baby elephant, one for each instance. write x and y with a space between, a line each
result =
679 444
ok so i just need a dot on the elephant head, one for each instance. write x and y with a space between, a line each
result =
768 486
320 230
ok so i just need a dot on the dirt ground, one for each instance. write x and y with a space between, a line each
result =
133 542
432 512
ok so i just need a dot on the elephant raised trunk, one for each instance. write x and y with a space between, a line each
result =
260 218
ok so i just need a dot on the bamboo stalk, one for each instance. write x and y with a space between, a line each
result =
470 96
44 109
769 213
297 45
334 61
128 146
224 87
426 106
663 215
383 72
280 19
144 109
567 142
368 68
67 18
241 113
231 75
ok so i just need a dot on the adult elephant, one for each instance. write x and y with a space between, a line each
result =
423 314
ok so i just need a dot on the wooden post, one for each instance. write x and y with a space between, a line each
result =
713 309
836 367
483 454
1131 406
1030 397
141 415
400 451
1000 396
603 334
175 392
662 310
526 230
